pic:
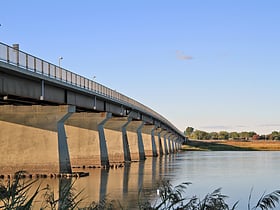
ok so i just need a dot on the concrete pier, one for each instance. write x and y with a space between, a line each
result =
164 137
158 141
149 140
33 139
135 141
116 142
86 147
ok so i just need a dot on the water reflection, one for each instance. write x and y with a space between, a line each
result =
122 184
235 172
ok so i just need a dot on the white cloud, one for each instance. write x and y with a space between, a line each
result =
181 56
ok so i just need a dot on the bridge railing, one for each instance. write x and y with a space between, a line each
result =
14 56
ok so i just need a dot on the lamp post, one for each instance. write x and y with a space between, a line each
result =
59 59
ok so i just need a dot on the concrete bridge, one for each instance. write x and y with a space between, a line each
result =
53 120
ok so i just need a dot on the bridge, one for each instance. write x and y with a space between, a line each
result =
54 121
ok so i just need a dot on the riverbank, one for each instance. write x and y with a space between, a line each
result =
226 145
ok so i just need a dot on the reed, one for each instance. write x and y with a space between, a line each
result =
14 196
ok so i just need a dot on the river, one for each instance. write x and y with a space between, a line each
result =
235 172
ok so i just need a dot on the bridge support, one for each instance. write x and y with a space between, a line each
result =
116 139
163 135
127 156
149 140
168 142
135 141
33 139
158 141
86 139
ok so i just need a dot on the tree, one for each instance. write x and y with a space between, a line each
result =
200 135
189 131
234 135
223 135
251 134
275 135
244 135
214 135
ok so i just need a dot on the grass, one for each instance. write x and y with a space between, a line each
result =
226 145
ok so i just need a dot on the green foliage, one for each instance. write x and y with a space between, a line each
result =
275 135
200 135
189 131
13 194
68 198
172 198
224 135
266 202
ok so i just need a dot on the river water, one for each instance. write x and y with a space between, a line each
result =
235 172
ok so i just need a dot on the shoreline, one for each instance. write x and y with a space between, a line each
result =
230 145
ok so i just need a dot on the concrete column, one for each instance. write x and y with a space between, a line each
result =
159 141
175 139
116 141
171 141
86 140
102 140
142 155
32 138
127 156
63 151
165 142
135 142
154 146
149 140
167 139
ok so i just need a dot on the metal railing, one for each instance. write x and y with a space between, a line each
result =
14 56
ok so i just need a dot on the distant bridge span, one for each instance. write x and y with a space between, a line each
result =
53 120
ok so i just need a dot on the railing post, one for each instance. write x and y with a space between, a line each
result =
26 61
60 73
42 64
8 55
49 69
34 64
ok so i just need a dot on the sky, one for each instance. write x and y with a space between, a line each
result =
212 65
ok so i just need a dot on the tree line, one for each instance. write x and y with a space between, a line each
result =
192 133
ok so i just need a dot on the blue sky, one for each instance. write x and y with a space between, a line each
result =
213 65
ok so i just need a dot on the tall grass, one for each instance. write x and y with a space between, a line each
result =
15 195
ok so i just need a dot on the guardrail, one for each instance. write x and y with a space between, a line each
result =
14 56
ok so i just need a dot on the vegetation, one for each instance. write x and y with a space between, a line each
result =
229 145
13 195
191 133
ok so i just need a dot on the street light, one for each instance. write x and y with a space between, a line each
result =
59 59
